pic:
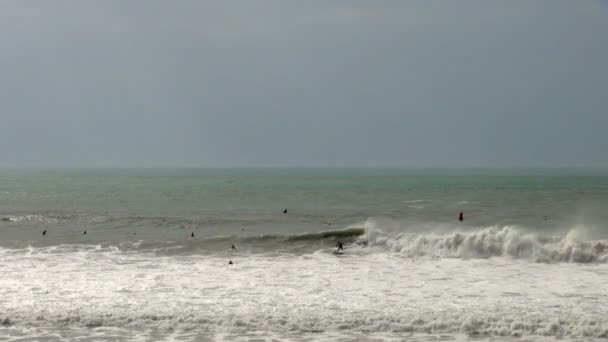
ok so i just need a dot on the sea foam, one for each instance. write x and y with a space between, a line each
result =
316 293
494 241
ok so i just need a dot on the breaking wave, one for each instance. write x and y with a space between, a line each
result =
495 241
372 235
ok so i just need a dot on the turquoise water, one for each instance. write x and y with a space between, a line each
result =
537 199
164 205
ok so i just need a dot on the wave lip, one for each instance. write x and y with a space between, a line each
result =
344 234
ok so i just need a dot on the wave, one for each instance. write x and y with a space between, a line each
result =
495 241
511 323
170 222
344 234
412 240
254 244
379 289
46 218
347 235
82 218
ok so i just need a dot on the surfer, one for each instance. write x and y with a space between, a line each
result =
340 247
44 232
230 262
461 217
285 211
233 248
192 235
85 232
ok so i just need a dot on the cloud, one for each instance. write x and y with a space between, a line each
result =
248 83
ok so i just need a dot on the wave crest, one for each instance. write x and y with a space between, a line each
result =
495 241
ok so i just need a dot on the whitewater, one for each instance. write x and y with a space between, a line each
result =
530 261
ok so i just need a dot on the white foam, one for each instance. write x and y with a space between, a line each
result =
52 289
468 202
505 241
418 207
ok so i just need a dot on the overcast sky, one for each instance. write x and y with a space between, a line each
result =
303 83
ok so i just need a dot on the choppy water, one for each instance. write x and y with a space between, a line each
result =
530 260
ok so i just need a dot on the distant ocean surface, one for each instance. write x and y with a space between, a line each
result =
529 261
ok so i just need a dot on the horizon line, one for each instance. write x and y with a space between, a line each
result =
321 166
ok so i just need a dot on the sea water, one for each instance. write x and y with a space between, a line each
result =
529 261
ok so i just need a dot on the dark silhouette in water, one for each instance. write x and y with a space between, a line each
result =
285 211
85 232
44 232
230 262
233 248
340 247
192 235
461 217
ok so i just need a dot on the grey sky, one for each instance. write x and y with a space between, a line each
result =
376 83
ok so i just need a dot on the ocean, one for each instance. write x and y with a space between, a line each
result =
529 262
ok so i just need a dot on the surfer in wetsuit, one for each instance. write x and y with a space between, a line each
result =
85 232
192 235
285 211
230 262
340 247
461 217
233 248
44 232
